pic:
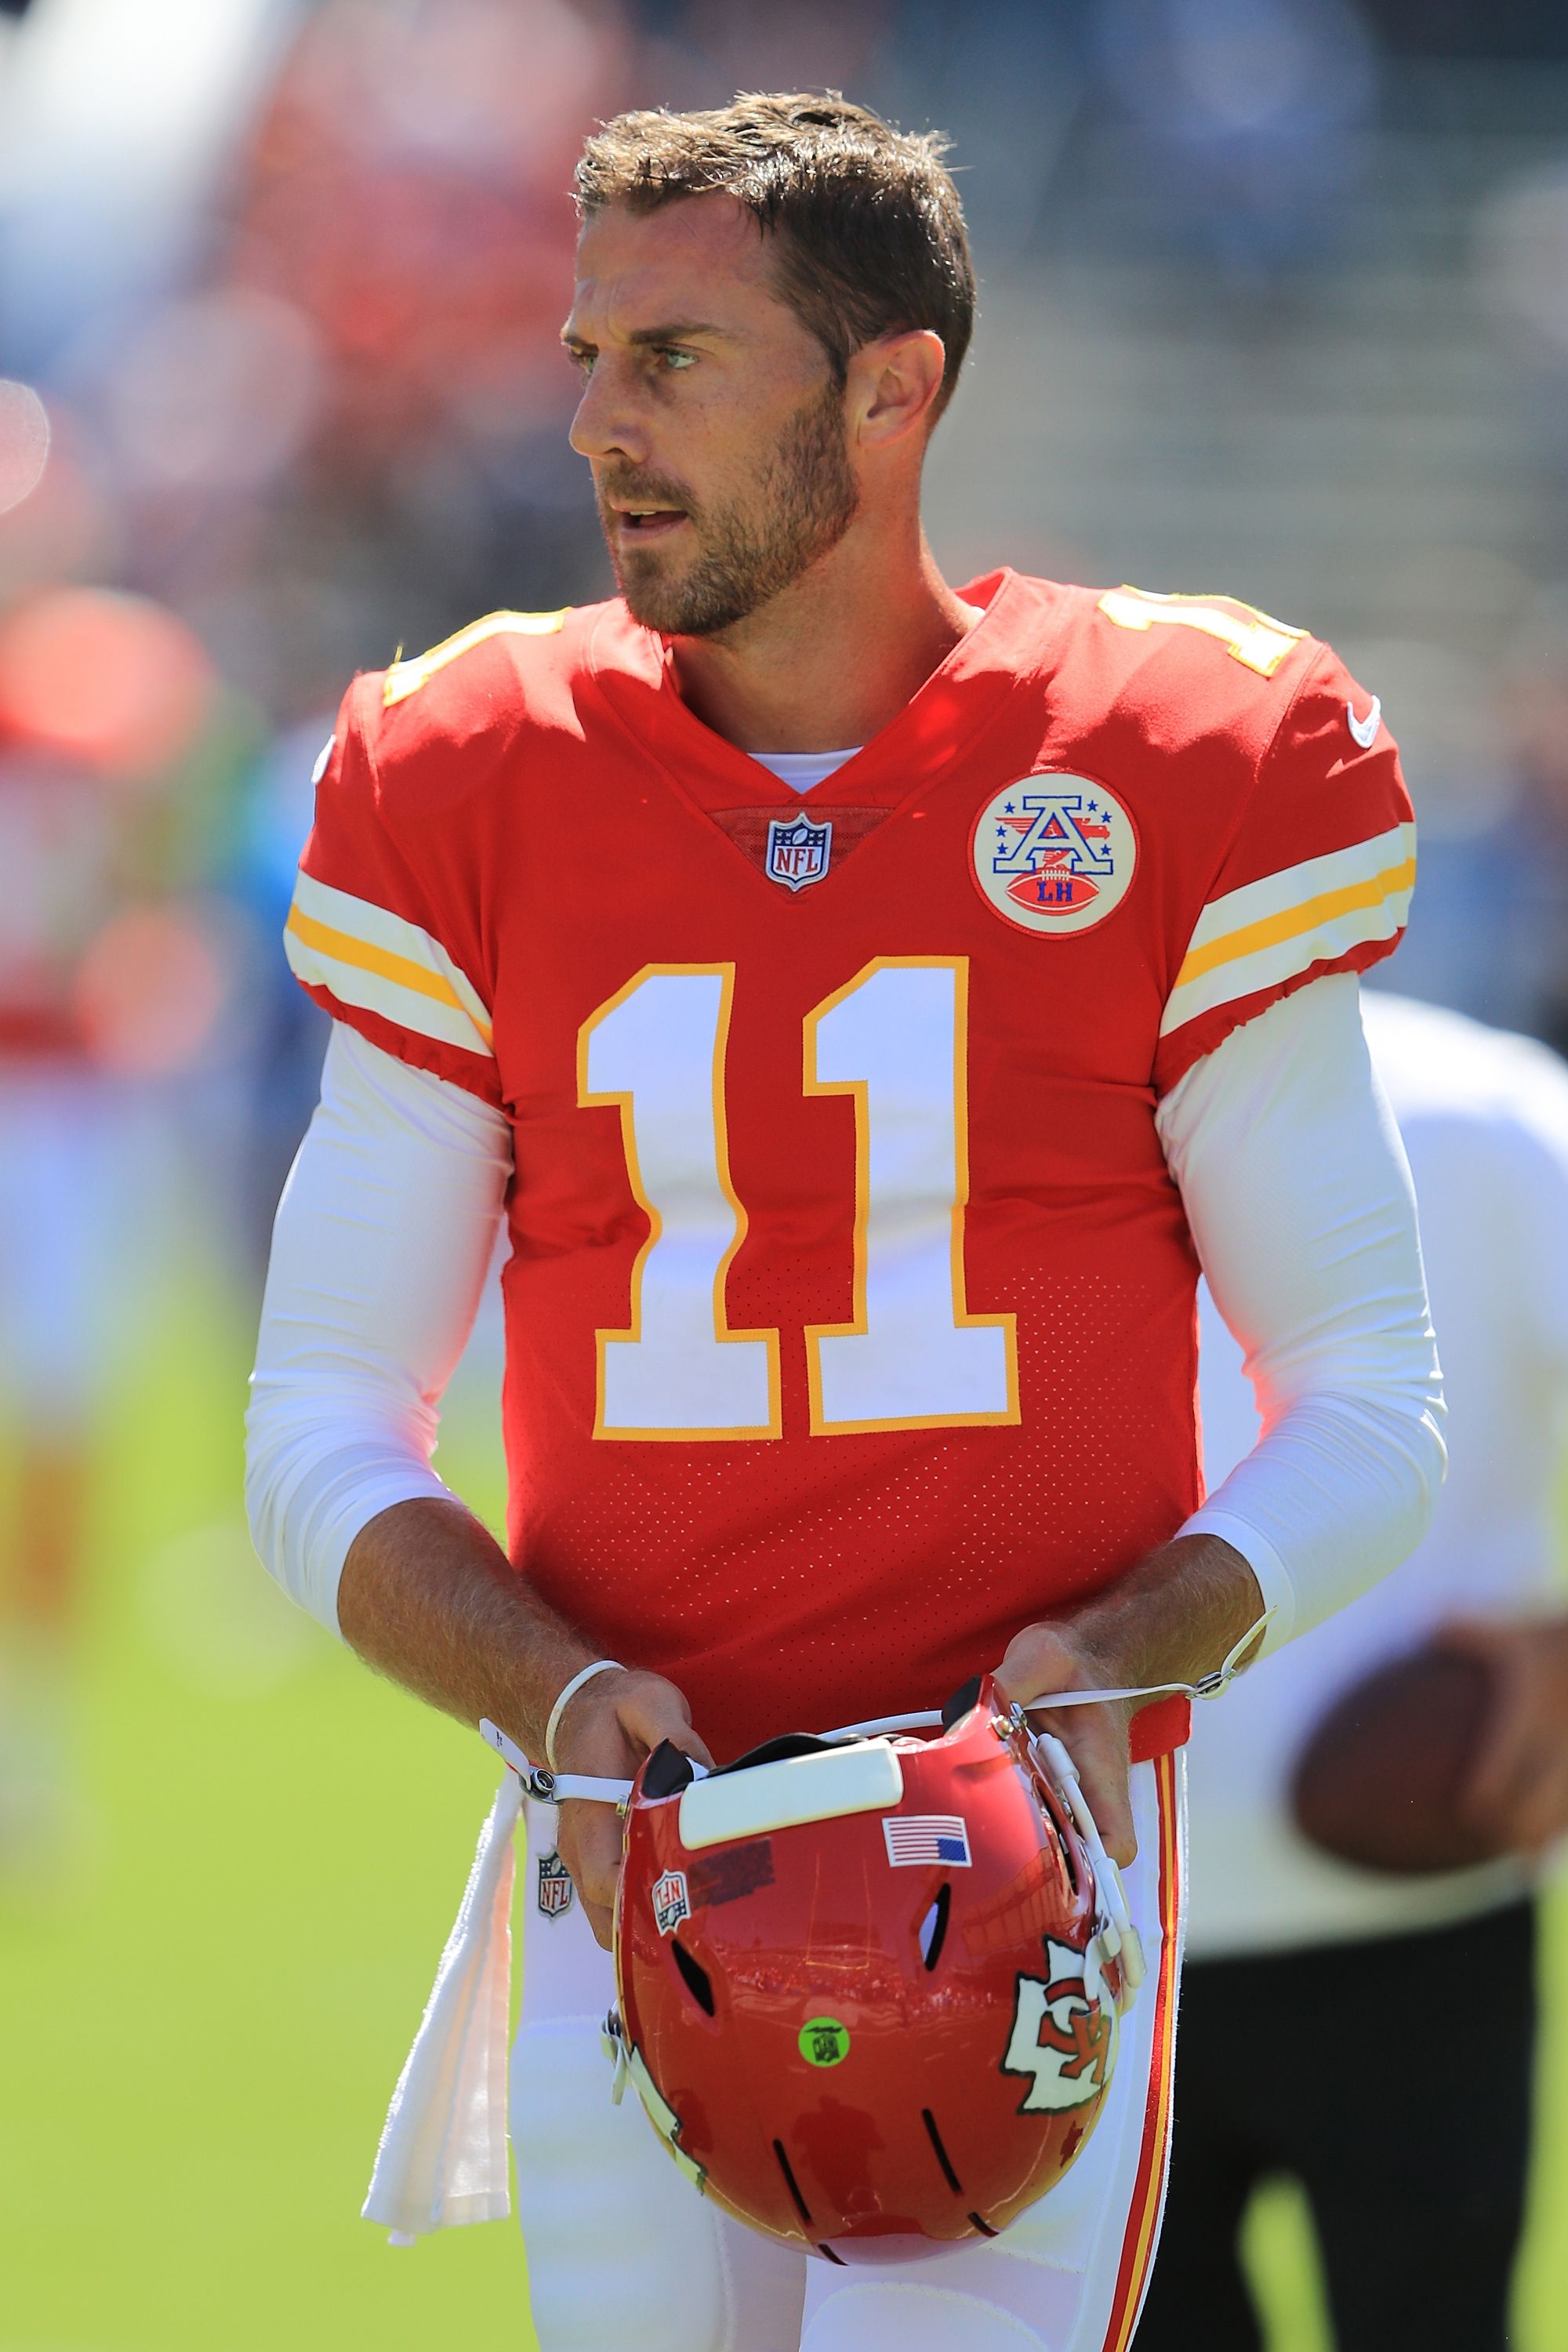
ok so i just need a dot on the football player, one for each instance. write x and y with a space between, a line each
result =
1418 2196
866 1001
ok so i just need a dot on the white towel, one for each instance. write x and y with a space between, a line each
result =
442 2155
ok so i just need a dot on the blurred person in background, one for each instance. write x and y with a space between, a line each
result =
1535 713
1374 2035
100 695
725 763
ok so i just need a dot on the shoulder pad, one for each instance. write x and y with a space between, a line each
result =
1255 639
406 678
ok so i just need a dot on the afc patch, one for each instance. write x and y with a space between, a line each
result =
1054 853
554 1892
798 850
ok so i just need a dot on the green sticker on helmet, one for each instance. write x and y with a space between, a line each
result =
824 2041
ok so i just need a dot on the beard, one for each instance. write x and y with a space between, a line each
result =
803 500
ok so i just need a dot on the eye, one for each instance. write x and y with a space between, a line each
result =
674 360
582 360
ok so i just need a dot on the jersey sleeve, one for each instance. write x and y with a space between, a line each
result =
1317 877
383 931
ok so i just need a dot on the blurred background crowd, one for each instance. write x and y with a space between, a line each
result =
1274 302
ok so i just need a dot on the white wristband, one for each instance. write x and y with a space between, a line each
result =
567 1694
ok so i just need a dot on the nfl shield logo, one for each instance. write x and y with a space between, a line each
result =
670 1902
554 1885
798 850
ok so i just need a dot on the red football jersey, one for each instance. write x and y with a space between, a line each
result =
850 1302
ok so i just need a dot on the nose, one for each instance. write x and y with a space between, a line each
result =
605 424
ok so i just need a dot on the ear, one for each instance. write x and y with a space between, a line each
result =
893 385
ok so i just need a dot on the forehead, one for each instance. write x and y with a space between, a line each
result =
699 258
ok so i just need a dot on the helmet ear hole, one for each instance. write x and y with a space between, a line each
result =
699 1984
934 1928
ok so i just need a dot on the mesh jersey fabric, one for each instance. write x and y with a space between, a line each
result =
536 874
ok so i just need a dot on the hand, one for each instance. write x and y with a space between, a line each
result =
609 1726
1519 1793
1056 1657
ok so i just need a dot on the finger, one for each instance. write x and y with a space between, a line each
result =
602 1919
1109 1798
1545 1822
1502 1766
1537 1810
589 1840
655 1710
1096 1739
1036 1665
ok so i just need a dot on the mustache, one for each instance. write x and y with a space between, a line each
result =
644 491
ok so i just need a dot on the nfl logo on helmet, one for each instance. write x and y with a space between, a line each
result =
671 1902
798 850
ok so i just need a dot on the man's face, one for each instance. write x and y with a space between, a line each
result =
709 415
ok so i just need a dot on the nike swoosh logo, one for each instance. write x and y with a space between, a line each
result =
1366 729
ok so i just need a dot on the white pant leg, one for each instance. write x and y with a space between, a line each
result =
622 2255
1069 2274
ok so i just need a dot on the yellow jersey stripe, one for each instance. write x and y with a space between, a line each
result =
362 920
1149 2192
1292 886
343 949
1294 921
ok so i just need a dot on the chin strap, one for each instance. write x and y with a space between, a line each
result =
548 1788
1119 1937
1208 1686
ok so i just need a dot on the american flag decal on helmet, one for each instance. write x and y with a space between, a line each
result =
916 1838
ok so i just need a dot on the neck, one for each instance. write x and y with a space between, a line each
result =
835 657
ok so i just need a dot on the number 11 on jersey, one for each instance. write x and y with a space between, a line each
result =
895 1039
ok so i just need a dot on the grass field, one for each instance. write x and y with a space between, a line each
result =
198 2043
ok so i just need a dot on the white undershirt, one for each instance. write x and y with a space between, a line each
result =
803 771
1295 1186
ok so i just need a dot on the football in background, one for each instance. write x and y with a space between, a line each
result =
1380 1781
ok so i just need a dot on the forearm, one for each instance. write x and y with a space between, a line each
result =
429 1598
1174 1618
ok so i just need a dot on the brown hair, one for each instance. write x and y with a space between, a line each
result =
869 230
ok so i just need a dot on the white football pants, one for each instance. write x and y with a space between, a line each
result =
625 2256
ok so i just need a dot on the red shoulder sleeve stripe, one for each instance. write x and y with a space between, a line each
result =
1264 935
363 955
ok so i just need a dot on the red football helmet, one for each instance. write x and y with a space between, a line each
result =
869 1986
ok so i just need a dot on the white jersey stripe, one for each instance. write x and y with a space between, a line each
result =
1271 929
369 957
1276 894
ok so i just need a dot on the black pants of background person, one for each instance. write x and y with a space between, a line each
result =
1393 2079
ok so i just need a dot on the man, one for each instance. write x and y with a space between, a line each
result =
862 994
1414 2158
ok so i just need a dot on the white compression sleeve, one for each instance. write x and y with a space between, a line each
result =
1298 1197
383 1241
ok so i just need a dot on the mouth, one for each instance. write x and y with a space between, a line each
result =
645 523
